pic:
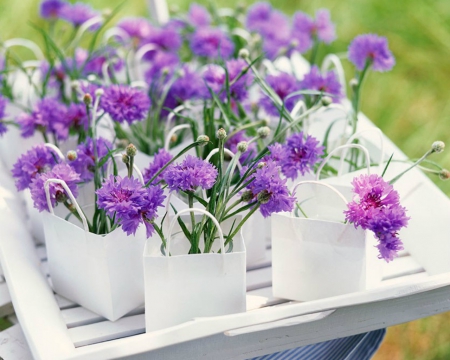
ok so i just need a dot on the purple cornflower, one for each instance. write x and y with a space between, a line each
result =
37 160
161 67
373 49
161 158
48 116
94 64
233 141
188 86
327 83
212 43
57 193
283 84
215 78
130 203
3 103
74 118
270 190
124 103
51 9
84 164
167 39
376 207
301 154
138 29
306 29
79 13
258 16
198 15
190 174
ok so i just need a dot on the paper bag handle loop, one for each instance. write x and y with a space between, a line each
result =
357 135
336 191
355 146
333 60
172 114
204 212
71 197
138 172
56 150
174 130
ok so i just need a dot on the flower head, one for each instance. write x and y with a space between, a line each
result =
376 207
301 154
198 15
373 49
190 174
161 158
51 9
283 84
34 162
57 193
161 67
130 203
138 29
84 164
232 144
167 39
328 83
188 86
270 190
124 103
212 43
78 13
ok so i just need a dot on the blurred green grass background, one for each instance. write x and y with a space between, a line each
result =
411 104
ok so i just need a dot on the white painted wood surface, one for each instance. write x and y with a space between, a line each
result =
269 325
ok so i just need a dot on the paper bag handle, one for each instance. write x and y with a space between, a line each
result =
336 191
355 146
204 212
332 59
138 172
71 197
357 135
56 150
173 113
174 130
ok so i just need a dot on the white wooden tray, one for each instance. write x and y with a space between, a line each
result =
56 328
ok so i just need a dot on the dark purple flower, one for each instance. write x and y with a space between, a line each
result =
36 161
233 141
138 29
283 84
328 83
79 13
166 39
376 207
124 103
258 16
51 9
130 203
3 103
98 59
188 86
306 29
57 192
300 155
190 174
373 49
198 15
270 190
84 164
48 116
212 43
161 158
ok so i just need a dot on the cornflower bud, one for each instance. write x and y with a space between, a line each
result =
71 155
261 165
99 92
353 83
263 132
221 134
204 139
244 53
264 197
75 85
87 99
125 158
444 174
242 146
131 150
326 100
247 196
438 146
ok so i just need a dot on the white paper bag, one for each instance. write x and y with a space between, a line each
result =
181 287
103 273
315 258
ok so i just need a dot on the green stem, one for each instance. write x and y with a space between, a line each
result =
250 213
130 166
429 152
356 95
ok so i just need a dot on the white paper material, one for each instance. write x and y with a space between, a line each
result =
181 287
104 274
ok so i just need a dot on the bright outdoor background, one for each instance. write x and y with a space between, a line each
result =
411 104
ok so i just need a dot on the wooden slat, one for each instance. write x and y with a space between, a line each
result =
266 262
400 267
262 298
107 330
14 345
404 279
64 303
